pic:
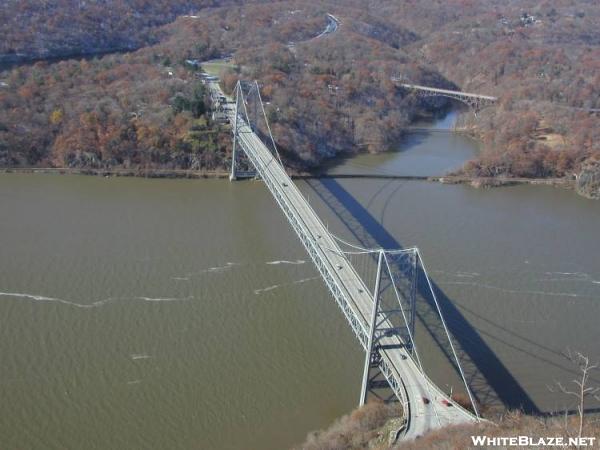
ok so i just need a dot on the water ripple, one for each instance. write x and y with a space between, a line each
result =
274 263
42 298
275 286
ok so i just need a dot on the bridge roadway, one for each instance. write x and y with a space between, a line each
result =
409 383
418 87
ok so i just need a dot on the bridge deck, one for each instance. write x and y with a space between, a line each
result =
409 383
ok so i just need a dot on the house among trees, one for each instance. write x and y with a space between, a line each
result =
528 20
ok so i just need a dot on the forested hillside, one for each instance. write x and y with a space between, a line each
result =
124 110
325 96
543 61
34 29
145 109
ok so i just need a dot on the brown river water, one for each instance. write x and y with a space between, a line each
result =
185 313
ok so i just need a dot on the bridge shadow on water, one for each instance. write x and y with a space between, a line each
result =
490 381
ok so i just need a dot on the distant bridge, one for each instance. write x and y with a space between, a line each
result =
374 288
474 101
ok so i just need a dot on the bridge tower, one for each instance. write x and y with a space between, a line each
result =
233 173
393 313
240 166
371 358
248 98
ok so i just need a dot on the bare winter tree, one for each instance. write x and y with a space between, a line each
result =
582 391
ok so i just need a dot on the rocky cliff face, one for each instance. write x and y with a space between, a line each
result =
588 181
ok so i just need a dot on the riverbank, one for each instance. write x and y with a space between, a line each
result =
476 182
488 182
358 430
142 173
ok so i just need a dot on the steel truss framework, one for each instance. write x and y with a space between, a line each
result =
474 101
379 330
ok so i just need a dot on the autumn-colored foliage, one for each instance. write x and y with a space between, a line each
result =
369 428
325 96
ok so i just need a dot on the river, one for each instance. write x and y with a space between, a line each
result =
185 313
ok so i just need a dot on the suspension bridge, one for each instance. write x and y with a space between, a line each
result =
374 288
474 101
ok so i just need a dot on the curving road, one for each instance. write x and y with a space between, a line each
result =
332 26
333 23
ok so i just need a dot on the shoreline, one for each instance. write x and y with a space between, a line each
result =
140 173
476 182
